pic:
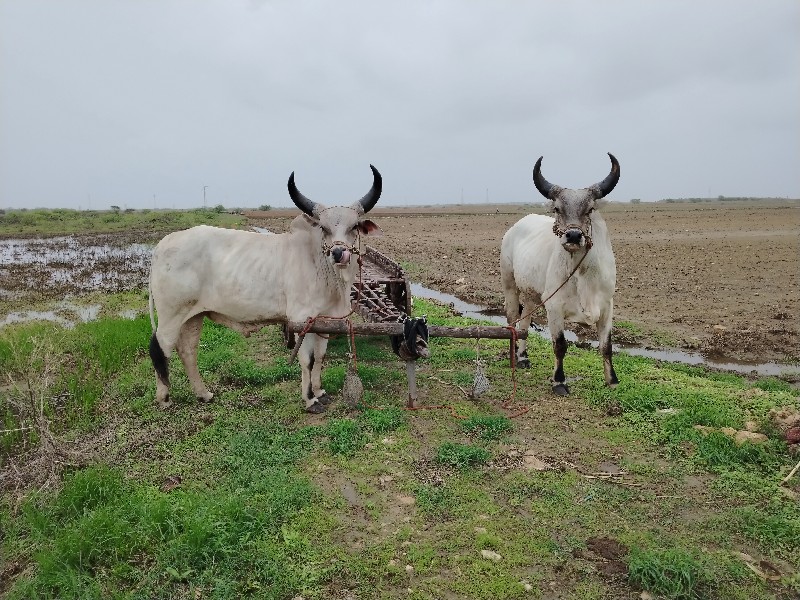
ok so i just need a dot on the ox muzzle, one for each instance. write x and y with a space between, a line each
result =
573 237
340 252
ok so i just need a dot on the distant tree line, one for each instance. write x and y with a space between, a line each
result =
717 199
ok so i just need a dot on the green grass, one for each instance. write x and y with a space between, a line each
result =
260 510
671 573
461 456
66 221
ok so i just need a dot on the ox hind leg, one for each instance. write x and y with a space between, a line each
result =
311 354
162 343
161 364
187 344
513 310
604 326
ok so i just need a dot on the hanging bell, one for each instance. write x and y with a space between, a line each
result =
480 384
353 388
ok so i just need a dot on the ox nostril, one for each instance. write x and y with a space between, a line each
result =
573 236
337 254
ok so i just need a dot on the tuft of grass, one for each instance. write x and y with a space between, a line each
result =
672 573
487 427
383 420
434 500
345 437
773 384
461 456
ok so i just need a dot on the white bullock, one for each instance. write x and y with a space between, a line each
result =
246 280
537 255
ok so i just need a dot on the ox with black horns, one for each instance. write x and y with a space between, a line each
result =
567 261
246 280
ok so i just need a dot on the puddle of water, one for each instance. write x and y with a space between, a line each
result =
474 311
263 230
61 315
70 264
36 315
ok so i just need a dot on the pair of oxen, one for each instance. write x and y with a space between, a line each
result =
246 280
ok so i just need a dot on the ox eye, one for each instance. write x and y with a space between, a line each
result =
556 210
325 230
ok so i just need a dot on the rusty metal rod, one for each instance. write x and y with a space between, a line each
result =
340 326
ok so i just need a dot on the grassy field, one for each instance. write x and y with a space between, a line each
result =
600 495
42 221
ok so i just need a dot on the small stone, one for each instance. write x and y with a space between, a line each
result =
667 411
460 281
749 436
528 587
409 569
491 555
720 327
531 463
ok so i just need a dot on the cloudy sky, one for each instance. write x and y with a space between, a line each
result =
142 103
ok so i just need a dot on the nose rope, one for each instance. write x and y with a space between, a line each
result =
559 231
327 248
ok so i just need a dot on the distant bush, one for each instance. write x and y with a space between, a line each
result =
265 207
219 209
636 200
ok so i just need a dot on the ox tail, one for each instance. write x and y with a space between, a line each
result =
150 304
159 360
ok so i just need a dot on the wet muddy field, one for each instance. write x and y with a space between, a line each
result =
720 279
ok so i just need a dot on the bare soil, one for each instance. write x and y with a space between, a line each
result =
719 277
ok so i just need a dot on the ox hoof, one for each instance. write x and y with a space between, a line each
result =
561 389
164 404
523 363
325 399
207 397
316 408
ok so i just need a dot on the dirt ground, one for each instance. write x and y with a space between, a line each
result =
719 277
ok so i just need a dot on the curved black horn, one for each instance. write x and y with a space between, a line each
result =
303 203
605 186
545 187
368 201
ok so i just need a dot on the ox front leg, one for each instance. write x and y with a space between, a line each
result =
560 350
555 321
310 356
604 327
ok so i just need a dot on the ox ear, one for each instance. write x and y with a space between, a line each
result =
313 221
367 227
